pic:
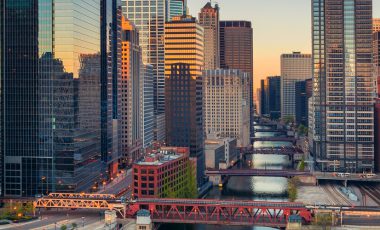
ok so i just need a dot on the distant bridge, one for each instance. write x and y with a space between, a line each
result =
286 150
285 139
257 172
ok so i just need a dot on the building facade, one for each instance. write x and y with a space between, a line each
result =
131 138
209 19
226 102
343 89
236 50
301 103
376 25
264 107
161 173
294 67
147 105
51 97
270 97
176 8
110 41
274 97
184 62
149 18
376 60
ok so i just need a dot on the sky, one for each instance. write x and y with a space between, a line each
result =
279 26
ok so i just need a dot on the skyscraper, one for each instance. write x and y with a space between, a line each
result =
184 62
301 103
264 109
236 49
343 136
294 67
51 94
176 8
209 19
149 18
131 127
110 83
226 102
274 96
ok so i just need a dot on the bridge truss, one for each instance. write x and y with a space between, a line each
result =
271 214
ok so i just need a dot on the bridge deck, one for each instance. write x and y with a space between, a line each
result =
258 172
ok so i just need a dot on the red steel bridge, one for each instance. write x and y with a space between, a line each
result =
257 172
206 211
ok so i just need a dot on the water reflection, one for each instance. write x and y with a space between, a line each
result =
269 144
248 188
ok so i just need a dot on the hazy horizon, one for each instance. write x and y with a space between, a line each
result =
275 26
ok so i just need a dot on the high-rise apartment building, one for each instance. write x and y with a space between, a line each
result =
226 101
149 18
176 8
376 25
51 96
294 67
343 90
131 138
184 62
209 19
236 49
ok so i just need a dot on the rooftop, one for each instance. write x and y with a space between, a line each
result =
161 156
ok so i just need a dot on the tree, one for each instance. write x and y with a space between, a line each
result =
288 119
63 227
323 219
301 165
302 130
292 189
74 225
191 182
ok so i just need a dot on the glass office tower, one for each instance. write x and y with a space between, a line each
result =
176 8
149 18
343 89
50 96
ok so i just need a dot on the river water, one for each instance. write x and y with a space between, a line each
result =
249 188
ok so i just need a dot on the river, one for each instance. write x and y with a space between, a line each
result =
249 188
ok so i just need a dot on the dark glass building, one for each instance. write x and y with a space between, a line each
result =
301 103
264 97
110 31
271 97
50 96
184 113
274 97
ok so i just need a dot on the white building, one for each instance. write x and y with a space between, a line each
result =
227 104
149 18
294 67
220 152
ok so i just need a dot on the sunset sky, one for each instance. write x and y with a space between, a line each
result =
279 26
